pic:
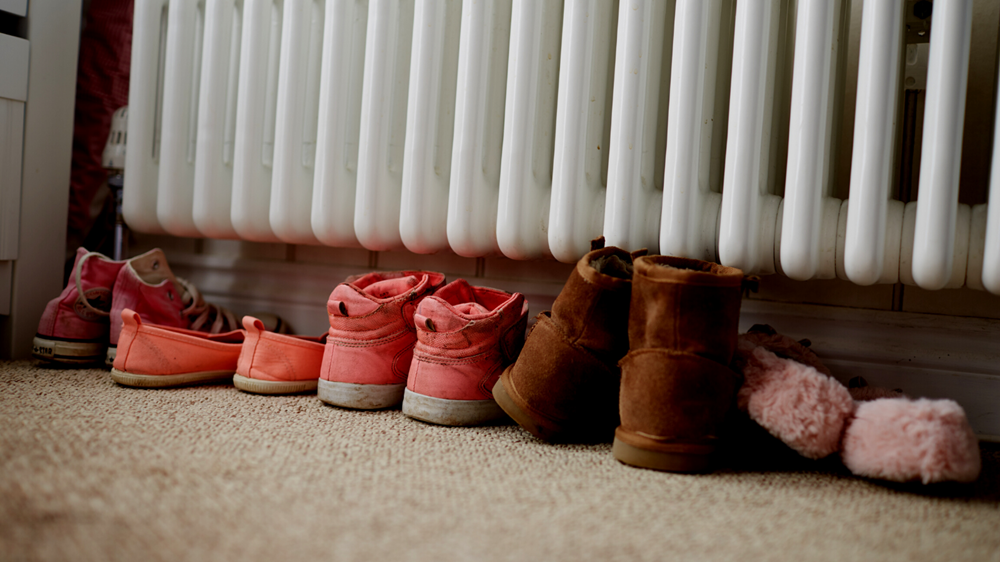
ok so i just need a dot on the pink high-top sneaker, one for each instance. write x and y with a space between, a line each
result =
74 326
371 338
146 285
273 363
466 336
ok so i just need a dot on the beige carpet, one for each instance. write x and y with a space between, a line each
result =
93 471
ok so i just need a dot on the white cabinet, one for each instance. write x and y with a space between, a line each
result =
13 93
37 93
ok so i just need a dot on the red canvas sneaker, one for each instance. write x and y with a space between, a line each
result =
151 356
74 326
466 336
370 343
273 363
146 286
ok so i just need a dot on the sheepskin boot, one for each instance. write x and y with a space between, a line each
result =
564 385
677 386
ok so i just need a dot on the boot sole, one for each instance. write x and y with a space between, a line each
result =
168 381
360 396
450 412
637 450
257 386
540 428
64 351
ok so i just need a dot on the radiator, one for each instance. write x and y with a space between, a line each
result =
795 139
526 128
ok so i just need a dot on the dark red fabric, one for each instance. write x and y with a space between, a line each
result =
101 88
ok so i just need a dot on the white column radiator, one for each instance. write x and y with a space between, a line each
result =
702 128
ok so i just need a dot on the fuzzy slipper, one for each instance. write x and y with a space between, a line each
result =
906 440
794 402
879 433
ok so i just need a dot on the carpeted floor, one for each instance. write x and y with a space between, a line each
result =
93 471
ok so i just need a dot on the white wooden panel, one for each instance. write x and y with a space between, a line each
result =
11 144
16 7
14 53
54 31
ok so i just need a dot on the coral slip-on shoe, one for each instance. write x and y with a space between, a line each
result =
466 336
151 356
147 286
273 363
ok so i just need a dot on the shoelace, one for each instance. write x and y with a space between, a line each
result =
79 284
224 320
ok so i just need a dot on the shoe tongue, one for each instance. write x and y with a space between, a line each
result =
346 300
471 308
434 314
389 288
152 267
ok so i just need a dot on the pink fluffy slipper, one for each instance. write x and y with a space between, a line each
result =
879 433
906 440
794 402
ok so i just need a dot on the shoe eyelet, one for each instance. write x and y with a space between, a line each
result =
156 264
170 295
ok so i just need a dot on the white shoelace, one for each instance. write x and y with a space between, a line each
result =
79 284
223 319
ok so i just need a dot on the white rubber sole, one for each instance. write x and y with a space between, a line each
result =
360 396
257 386
62 351
167 381
109 358
451 412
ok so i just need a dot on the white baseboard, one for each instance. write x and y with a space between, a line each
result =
922 354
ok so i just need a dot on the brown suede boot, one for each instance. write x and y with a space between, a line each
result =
564 385
677 386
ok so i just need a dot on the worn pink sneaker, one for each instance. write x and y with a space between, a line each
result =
74 326
146 286
152 356
273 363
466 336
371 339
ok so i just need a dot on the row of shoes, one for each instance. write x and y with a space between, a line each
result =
636 348
76 326
396 338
